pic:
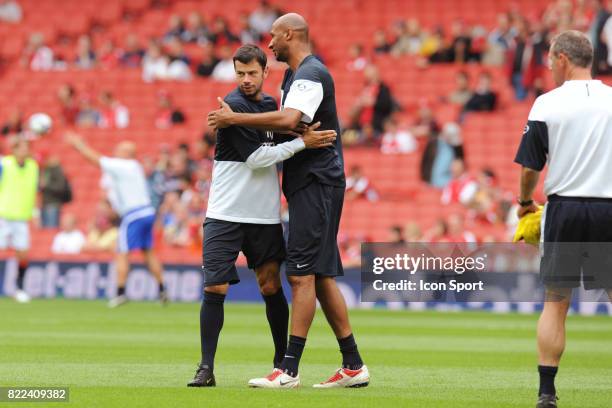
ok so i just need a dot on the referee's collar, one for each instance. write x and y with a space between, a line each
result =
581 81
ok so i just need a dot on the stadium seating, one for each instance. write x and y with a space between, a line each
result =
490 139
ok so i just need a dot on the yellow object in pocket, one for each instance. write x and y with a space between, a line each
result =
528 228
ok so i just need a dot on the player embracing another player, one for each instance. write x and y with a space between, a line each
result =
313 183
244 211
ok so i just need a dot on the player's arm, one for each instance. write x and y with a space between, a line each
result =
276 120
303 100
529 181
532 156
79 144
266 156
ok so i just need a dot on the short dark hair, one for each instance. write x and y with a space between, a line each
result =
575 45
250 52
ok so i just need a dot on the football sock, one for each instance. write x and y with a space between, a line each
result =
547 379
350 355
121 291
21 271
277 312
211 322
291 361
161 288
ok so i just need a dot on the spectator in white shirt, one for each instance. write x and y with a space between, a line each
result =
358 186
10 11
178 68
113 113
224 70
358 60
395 140
262 19
154 64
462 188
70 239
37 55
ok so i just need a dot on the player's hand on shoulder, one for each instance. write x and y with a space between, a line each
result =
297 132
220 118
315 139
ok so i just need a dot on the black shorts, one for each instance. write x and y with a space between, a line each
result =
314 219
223 240
577 244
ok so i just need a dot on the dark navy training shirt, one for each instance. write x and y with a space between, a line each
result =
311 91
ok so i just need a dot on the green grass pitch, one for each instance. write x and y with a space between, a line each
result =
142 355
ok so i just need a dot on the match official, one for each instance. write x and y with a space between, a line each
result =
570 130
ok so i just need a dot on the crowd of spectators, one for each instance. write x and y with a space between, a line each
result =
197 45
190 46
518 42
87 111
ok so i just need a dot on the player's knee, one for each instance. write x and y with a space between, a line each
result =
270 287
300 282
558 297
322 282
217 289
